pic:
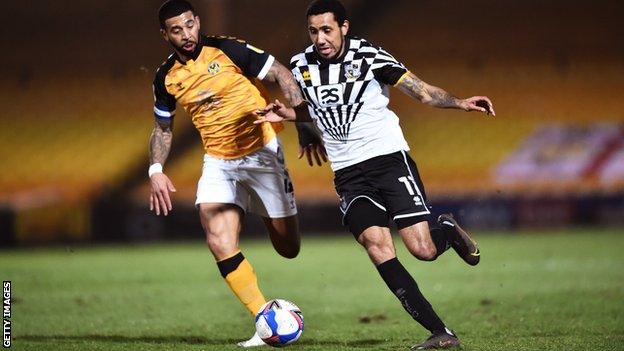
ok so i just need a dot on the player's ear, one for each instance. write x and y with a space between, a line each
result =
163 32
197 20
345 27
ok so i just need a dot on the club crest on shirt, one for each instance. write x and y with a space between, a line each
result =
214 67
352 70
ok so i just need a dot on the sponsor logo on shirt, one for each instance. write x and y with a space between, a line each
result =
306 75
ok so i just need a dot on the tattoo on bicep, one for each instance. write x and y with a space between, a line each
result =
160 141
413 86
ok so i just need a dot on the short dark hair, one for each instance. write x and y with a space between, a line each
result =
318 7
172 8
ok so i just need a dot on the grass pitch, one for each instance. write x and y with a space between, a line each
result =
532 291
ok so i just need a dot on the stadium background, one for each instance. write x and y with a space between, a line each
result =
77 110
539 184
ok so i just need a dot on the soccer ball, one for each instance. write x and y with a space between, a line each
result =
279 323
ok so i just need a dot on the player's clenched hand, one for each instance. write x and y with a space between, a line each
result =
316 150
275 112
478 103
160 200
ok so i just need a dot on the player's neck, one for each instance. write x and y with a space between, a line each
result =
182 57
341 51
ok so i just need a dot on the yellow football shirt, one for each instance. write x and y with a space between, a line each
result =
219 88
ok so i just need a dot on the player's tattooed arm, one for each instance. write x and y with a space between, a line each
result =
284 78
427 94
437 97
160 141
310 143
161 185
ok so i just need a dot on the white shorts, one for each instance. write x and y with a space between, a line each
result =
258 182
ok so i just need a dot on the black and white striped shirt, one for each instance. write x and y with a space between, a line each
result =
348 100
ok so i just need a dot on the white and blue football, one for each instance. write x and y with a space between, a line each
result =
279 323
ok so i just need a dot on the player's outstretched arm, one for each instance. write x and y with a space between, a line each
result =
284 78
159 147
437 97
310 144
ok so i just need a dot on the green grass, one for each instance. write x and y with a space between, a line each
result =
539 291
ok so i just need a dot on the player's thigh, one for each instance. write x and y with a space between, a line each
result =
360 203
284 234
363 213
218 183
222 224
369 225
266 177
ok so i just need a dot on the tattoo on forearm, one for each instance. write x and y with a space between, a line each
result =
160 142
280 74
440 98
428 94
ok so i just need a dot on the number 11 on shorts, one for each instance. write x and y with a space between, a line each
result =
409 185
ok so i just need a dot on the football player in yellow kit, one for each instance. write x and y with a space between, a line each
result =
217 80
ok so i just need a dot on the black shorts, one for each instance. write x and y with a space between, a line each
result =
390 182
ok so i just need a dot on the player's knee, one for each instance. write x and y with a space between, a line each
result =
380 253
287 247
377 245
219 245
289 252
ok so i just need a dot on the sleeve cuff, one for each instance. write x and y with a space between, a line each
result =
402 78
267 66
162 113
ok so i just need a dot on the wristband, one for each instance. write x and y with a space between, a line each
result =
155 168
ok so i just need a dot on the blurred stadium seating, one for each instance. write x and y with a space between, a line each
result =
75 129
563 154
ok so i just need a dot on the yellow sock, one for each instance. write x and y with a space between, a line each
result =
244 285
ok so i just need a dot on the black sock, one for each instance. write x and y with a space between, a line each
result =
229 265
440 240
406 290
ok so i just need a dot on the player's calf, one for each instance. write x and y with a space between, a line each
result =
423 252
420 242
284 234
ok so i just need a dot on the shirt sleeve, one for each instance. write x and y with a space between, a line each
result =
252 61
386 68
164 103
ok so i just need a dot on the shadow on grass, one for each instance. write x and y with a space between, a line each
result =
190 340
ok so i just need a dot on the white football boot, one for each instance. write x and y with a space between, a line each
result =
255 341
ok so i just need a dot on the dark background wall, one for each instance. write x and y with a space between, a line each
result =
113 38
76 80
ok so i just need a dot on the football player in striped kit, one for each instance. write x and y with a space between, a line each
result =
345 83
